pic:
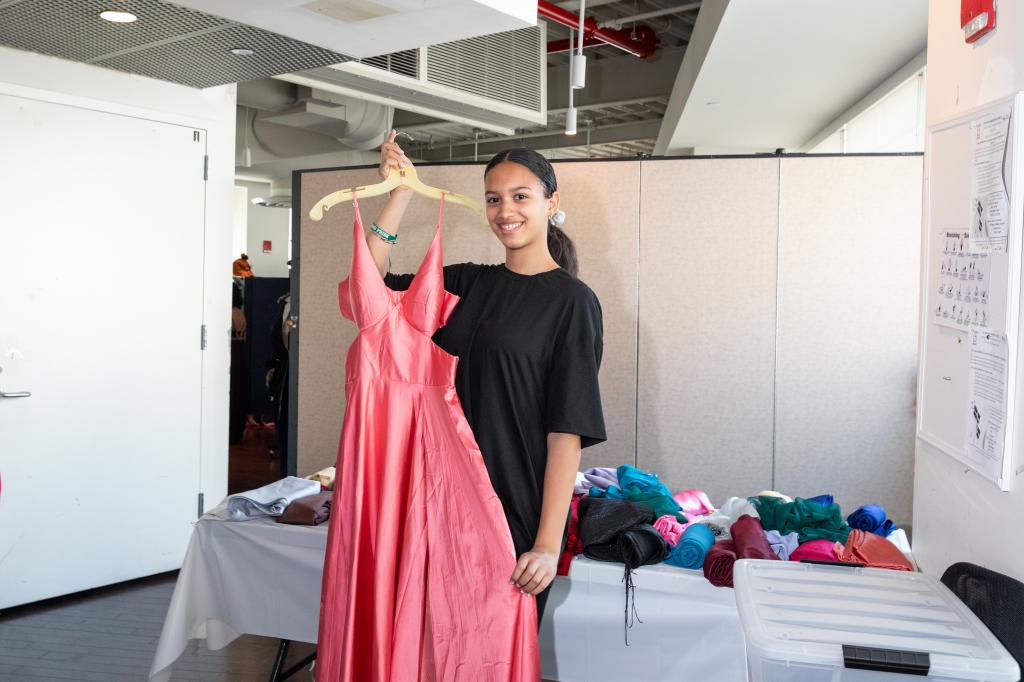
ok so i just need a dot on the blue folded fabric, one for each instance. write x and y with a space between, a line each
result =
823 500
691 549
637 484
871 518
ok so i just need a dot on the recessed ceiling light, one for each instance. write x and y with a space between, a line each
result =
242 52
117 16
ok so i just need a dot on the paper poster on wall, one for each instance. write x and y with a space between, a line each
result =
990 203
986 417
963 293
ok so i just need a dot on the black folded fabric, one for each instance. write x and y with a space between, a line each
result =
308 511
620 530
602 519
634 547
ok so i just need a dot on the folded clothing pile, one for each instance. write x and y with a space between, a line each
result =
748 542
872 550
270 500
308 511
872 518
812 521
620 530
721 520
325 477
642 487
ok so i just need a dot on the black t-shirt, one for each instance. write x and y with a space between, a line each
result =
529 349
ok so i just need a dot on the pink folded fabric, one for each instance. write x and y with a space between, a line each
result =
669 528
694 502
872 550
819 550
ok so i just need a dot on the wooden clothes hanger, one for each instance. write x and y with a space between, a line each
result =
406 177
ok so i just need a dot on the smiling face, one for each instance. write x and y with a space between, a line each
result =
517 209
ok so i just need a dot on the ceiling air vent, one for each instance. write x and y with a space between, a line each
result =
501 66
496 82
405 63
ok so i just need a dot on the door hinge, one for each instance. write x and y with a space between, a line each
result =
206 167
202 337
201 506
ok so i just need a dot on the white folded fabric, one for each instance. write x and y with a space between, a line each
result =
721 521
270 500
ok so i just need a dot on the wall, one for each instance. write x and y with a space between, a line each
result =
239 221
894 123
33 75
268 223
712 273
983 529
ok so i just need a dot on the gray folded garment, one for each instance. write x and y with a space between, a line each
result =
270 500
308 511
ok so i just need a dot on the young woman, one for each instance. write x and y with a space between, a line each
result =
528 335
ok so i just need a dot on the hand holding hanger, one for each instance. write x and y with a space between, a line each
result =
401 176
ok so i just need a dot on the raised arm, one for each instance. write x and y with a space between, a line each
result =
391 156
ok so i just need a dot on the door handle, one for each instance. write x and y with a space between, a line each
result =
15 394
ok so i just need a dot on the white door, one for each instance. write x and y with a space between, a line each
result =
101 293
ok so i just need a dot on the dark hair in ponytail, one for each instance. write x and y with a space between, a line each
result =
559 244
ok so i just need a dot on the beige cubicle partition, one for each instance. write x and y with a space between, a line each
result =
735 359
708 233
846 378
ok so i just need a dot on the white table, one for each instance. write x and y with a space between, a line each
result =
263 578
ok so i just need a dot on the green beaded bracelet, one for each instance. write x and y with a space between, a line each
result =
384 234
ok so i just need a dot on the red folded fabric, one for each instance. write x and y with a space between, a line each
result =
748 536
719 562
819 550
873 550
573 544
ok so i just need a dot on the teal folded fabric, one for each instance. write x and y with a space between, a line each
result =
812 521
692 548
642 487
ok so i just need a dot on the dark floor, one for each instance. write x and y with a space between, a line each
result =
110 635
251 463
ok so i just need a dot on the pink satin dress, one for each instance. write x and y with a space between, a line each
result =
419 554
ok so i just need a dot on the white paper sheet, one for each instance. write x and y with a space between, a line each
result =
963 300
990 203
986 417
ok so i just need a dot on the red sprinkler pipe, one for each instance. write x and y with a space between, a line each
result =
646 41
643 46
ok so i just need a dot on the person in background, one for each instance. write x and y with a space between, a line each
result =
238 399
241 268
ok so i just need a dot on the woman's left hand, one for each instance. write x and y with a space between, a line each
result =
535 570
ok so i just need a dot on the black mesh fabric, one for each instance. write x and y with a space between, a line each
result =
634 547
996 599
603 520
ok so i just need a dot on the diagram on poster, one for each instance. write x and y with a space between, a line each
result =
963 293
986 418
990 203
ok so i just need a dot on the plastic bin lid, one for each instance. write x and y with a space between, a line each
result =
805 613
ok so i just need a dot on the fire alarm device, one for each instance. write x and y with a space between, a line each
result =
977 17
268 246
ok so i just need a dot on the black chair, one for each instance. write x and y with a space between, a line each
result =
996 599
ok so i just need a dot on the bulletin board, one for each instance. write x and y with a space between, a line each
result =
971 288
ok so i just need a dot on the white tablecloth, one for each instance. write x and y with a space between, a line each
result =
263 578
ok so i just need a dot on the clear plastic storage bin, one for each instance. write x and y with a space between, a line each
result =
820 623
